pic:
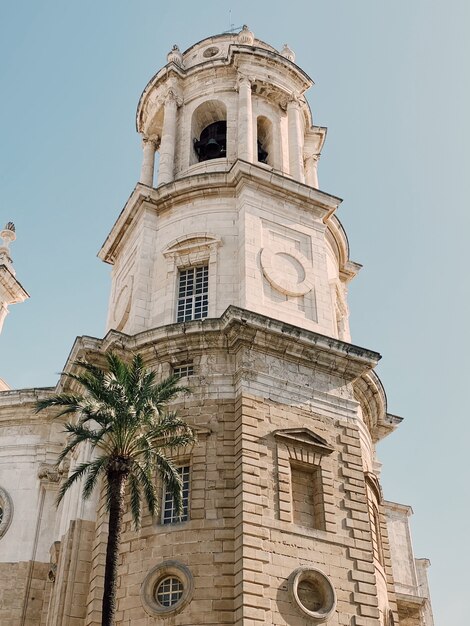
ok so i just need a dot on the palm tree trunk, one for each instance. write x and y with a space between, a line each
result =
116 482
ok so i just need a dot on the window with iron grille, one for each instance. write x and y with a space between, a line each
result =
184 369
193 294
169 591
170 515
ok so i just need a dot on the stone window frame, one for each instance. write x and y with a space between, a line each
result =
192 304
323 583
154 578
6 503
192 250
304 448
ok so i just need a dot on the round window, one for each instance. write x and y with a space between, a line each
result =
210 52
167 589
312 593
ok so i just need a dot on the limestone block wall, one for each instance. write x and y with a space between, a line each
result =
29 482
264 410
267 249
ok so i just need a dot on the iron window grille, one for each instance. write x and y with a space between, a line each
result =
193 294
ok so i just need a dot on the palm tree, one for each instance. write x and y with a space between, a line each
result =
122 414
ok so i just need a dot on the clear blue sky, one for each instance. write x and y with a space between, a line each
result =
393 87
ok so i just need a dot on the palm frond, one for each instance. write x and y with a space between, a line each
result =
76 475
146 478
172 479
96 468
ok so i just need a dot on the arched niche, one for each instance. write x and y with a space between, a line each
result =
205 118
264 140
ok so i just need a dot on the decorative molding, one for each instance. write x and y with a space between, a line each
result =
303 437
278 278
49 473
6 507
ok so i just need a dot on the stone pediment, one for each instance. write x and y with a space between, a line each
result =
192 243
303 437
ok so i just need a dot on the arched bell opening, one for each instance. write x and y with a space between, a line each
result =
264 140
209 132
212 143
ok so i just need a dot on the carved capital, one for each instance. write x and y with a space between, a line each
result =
294 102
152 140
312 158
243 81
49 473
173 96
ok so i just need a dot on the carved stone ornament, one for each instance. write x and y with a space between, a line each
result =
175 56
288 271
49 473
122 305
6 511
245 36
210 52
288 53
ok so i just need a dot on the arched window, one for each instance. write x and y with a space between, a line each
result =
264 140
209 132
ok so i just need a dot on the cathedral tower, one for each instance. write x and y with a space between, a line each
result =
230 268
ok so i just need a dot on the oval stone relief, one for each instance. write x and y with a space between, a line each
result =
287 271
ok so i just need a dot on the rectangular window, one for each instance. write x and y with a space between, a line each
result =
169 515
307 497
184 369
193 294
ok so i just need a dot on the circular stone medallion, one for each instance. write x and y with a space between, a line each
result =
288 271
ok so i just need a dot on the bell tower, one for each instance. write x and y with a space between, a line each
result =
230 269
236 193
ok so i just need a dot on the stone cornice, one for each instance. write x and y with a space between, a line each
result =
370 394
230 183
13 397
12 289
235 329
264 54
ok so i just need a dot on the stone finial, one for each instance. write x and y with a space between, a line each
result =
175 56
288 53
245 36
7 235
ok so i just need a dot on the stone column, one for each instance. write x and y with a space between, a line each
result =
295 136
168 141
245 120
311 170
149 145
